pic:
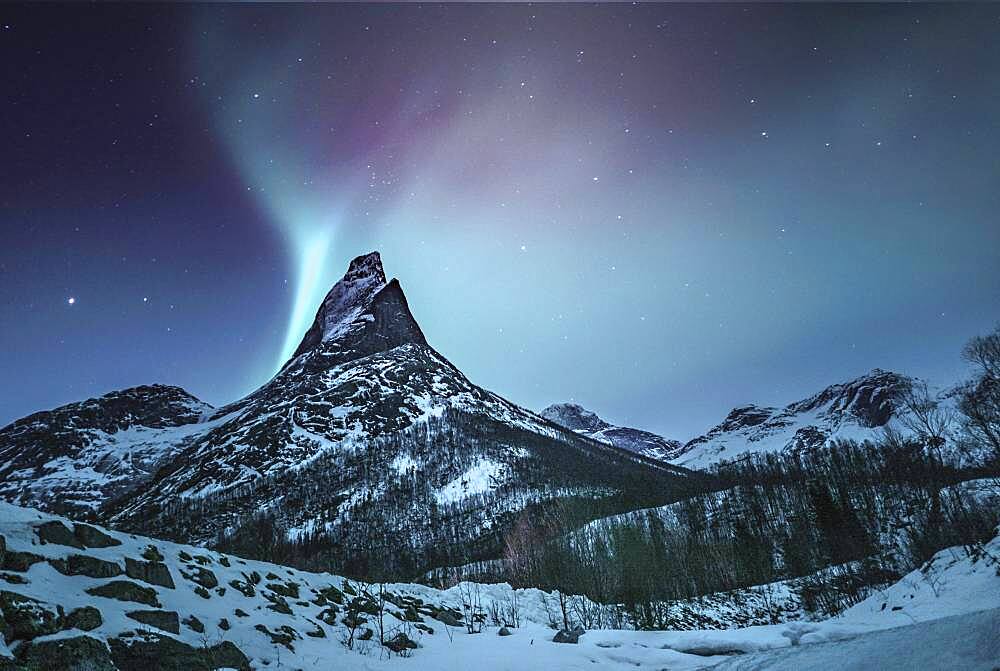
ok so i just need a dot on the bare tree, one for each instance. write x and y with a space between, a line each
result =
979 400
925 416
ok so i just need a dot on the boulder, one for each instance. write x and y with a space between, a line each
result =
224 624
284 636
569 635
92 567
167 620
92 537
152 554
289 589
86 618
123 590
24 618
20 561
504 631
152 572
201 576
400 643
162 653
58 533
194 624
449 618
82 653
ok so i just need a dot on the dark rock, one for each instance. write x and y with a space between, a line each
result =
201 576
318 632
24 618
330 593
92 537
58 533
239 612
272 576
152 554
449 618
400 642
162 653
194 624
569 635
353 621
82 653
167 620
224 560
123 590
243 587
152 572
284 636
329 615
289 589
224 624
184 556
86 618
202 592
504 631
20 561
278 604
14 578
366 634
92 567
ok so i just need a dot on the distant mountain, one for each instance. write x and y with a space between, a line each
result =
583 421
367 440
77 457
856 409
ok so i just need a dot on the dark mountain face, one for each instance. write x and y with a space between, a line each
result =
368 439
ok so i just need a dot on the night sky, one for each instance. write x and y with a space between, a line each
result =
658 211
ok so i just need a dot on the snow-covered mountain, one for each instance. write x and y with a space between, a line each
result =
856 409
366 439
77 457
587 423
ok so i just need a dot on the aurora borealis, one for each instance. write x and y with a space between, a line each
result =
659 211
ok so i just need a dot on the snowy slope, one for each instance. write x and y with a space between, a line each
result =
284 618
851 410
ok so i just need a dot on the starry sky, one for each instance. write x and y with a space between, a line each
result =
658 211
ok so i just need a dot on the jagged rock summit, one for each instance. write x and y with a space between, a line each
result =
363 313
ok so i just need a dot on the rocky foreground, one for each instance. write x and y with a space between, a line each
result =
75 596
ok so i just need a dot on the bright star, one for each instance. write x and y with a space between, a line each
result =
71 300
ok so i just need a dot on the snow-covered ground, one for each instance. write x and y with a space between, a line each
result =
901 623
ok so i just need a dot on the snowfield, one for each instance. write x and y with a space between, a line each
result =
945 617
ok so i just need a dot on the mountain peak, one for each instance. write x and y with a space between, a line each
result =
363 312
574 417
366 266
